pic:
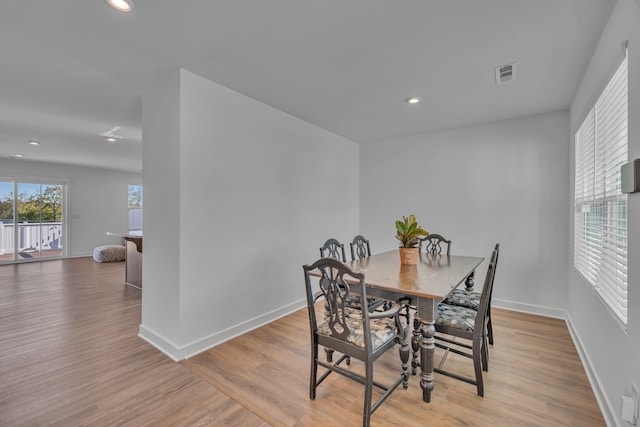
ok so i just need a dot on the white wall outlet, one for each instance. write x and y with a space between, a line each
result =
630 406
636 398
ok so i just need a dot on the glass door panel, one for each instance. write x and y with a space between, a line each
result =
39 220
28 220
51 220
7 232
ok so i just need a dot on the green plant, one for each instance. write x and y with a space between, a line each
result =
408 232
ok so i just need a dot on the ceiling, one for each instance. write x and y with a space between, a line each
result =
73 71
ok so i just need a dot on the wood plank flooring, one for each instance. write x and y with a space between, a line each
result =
70 355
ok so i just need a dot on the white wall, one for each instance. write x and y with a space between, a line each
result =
268 188
97 200
161 252
610 352
503 182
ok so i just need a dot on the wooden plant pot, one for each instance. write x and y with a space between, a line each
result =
409 256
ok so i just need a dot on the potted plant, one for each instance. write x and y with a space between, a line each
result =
408 233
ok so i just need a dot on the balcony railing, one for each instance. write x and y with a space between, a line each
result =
32 238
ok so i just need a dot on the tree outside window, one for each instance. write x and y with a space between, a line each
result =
135 207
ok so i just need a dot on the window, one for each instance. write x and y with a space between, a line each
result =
135 208
600 235
31 224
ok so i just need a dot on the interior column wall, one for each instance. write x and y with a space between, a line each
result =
255 193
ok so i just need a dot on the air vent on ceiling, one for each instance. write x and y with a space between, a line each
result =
505 73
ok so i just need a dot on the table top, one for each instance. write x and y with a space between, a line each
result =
131 234
435 276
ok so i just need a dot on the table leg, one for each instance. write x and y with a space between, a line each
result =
415 344
427 347
404 358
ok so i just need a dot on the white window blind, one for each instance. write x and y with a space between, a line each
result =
600 235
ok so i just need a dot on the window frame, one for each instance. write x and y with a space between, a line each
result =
600 207
135 218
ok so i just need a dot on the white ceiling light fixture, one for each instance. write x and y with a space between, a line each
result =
111 135
32 142
413 100
121 5
19 155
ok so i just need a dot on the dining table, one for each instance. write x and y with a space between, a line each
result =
422 286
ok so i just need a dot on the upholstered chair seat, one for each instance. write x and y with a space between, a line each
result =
382 330
463 298
454 316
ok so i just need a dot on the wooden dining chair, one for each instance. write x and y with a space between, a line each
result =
471 299
434 244
462 331
359 248
332 248
357 334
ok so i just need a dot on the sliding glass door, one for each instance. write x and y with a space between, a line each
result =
7 231
31 220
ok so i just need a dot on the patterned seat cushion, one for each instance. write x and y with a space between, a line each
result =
457 317
382 330
463 298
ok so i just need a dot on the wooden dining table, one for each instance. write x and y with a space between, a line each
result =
423 285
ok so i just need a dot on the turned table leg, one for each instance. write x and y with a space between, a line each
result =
427 347
415 344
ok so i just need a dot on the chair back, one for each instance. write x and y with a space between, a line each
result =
434 243
359 248
496 252
349 331
487 288
333 249
335 288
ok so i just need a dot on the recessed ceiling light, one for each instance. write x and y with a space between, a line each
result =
111 139
32 142
121 5
19 155
413 100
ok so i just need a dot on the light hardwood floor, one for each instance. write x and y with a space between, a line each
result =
70 355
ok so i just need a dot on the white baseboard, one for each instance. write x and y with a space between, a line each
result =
608 411
158 341
555 313
178 353
80 255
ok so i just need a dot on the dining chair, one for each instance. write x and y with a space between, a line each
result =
357 334
457 326
333 249
359 248
471 299
434 243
